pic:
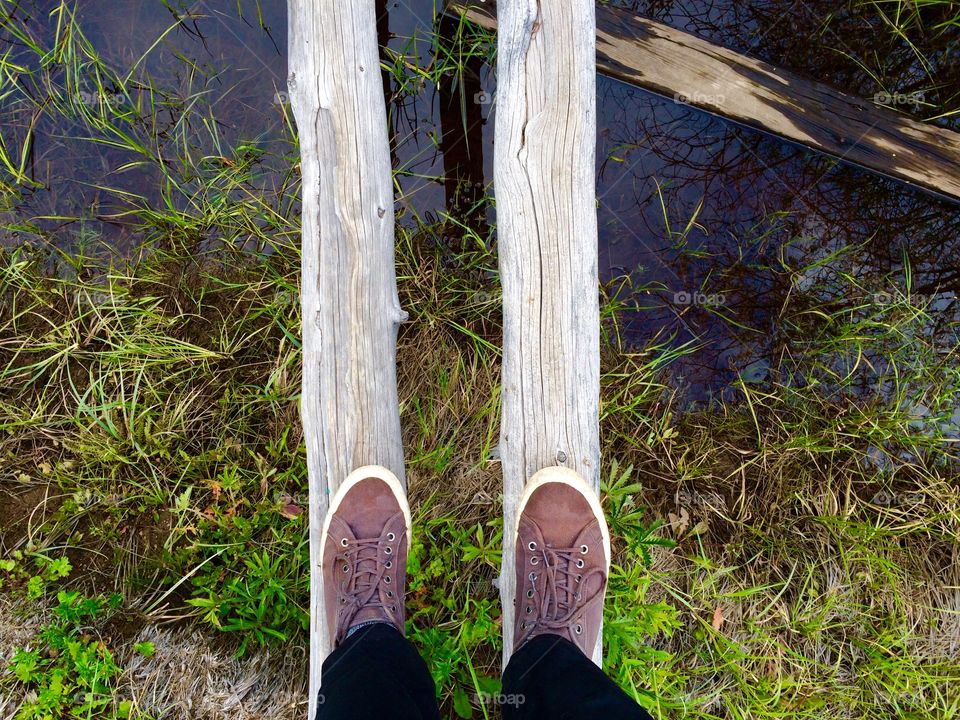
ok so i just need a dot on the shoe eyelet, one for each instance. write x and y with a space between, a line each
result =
578 629
344 542
532 545
584 549
389 593
388 564
522 625
579 596
529 610
532 576
529 593
393 607
346 568
579 578
579 563
386 579
388 550
391 537
534 560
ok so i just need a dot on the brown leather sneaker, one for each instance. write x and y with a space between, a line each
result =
366 538
563 560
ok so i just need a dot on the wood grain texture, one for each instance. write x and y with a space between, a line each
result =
349 293
544 151
692 71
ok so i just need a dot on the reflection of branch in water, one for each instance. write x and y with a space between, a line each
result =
759 195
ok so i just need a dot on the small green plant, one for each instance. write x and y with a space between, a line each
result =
70 673
256 603
49 571
626 517
34 583
486 549
145 648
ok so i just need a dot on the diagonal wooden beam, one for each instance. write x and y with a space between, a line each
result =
544 151
692 71
348 285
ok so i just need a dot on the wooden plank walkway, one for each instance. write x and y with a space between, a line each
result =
544 148
348 284
544 173
687 69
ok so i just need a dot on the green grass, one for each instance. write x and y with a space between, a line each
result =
914 60
787 552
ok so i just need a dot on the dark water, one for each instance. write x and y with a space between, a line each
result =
744 213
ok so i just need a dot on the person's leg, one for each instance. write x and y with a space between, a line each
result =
376 673
373 671
562 564
550 677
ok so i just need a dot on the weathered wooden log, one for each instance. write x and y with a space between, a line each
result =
544 150
698 73
349 293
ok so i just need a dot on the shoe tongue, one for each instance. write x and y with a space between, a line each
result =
371 507
562 511
367 613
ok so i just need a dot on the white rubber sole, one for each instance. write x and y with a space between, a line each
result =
362 473
574 480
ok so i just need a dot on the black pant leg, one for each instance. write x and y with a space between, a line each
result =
376 673
550 678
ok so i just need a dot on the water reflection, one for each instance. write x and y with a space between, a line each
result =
175 86
720 229
712 220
